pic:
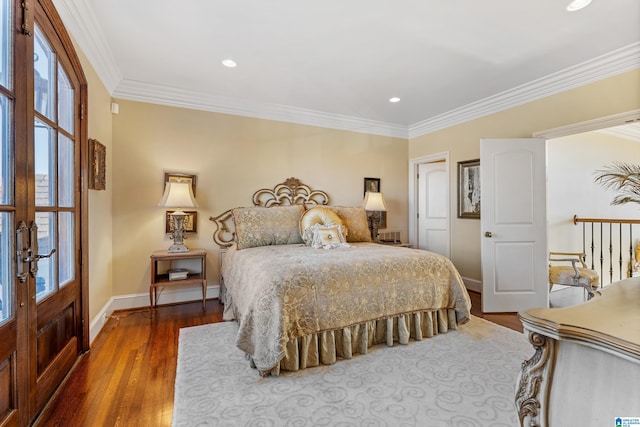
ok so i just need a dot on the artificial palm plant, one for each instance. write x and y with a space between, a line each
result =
623 178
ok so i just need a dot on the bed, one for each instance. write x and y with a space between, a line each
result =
308 287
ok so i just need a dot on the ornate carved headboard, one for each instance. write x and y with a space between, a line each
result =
289 192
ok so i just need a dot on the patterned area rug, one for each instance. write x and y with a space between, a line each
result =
462 378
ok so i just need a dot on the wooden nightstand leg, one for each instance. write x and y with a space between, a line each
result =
204 295
151 288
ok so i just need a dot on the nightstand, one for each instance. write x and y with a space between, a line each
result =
163 261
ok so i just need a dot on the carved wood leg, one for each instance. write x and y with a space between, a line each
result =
534 383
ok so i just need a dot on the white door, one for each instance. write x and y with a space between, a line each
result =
433 201
513 224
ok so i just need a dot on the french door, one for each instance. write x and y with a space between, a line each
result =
42 94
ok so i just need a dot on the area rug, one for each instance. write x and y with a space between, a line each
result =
462 378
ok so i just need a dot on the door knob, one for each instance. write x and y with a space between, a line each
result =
488 234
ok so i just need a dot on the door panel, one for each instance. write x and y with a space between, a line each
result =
433 202
514 175
512 280
513 224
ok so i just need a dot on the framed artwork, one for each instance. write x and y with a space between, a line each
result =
469 189
383 220
180 177
97 165
371 184
190 222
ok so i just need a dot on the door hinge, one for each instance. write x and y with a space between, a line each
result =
82 111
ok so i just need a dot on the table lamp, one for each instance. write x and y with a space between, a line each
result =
374 203
178 195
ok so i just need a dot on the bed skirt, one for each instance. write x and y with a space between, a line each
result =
326 347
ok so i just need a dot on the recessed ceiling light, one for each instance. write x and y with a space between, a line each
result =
394 99
229 63
577 5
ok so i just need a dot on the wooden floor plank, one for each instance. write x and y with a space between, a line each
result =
127 379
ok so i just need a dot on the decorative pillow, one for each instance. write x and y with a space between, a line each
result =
322 216
355 220
258 226
327 237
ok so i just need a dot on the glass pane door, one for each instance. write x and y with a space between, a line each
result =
6 162
41 312
56 160
55 157
6 217
13 319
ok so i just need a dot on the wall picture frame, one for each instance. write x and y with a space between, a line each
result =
371 184
180 177
97 165
469 189
190 222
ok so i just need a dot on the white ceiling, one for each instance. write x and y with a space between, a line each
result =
336 63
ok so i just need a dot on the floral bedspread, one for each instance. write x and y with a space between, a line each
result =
286 291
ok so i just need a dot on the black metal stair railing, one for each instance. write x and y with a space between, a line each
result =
609 241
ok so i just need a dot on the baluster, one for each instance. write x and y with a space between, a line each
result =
601 253
620 249
631 249
610 253
593 258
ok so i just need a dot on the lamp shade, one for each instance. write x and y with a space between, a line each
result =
178 195
374 202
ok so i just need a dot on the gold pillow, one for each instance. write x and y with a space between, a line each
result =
259 226
322 216
354 220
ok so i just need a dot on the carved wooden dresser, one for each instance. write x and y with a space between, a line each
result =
586 367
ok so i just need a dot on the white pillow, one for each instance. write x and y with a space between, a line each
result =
327 237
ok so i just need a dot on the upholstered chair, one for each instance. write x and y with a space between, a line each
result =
575 274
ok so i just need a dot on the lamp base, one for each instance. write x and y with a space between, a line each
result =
374 222
177 248
178 233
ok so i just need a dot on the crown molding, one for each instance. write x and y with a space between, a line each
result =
164 95
629 132
600 123
610 64
83 26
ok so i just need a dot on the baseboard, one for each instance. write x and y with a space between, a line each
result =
472 284
125 302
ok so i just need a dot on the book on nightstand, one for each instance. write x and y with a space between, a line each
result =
178 274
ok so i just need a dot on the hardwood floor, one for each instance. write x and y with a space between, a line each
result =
508 320
127 378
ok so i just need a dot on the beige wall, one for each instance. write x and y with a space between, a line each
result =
604 98
232 157
100 220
